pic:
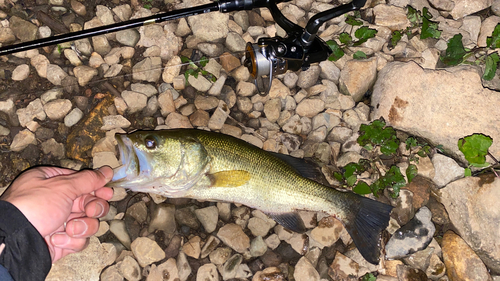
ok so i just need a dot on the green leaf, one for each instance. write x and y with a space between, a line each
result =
494 40
338 176
376 134
353 21
363 34
429 28
345 38
213 79
475 148
467 172
204 72
185 59
359 55
411 142
350 169
411 172
396 36
351 180
337 51
455 52
491 66
148 6
362 188
413 15
368 277
203 61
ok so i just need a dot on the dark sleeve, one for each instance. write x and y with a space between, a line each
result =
26 255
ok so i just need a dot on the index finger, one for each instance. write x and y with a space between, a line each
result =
87 181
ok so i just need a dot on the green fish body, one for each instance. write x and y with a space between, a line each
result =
204 165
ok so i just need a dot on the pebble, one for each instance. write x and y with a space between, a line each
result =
163 218
220 255
129 269
168 268
55 74
52 147
230 267
200 83
111 122
192 247
148 69
207 272
146 251
233 236
305 271
183 267
343 268
123 12
219 116
118 228
327 232
210 245
135 101
57 109
208 217
73 117
229 62
22 140
258 247
84 74
128 37
21 72
446 170
235 43
310 107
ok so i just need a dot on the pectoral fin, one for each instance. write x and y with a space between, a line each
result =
291 221
231 178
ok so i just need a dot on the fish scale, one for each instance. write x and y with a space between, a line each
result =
211 166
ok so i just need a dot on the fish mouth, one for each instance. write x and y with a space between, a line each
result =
127 159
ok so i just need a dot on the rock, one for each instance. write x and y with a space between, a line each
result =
407 108
192 247
128 37
208 27
73 117
24 30
329 71
32 111
327 232
272 109
22 140
278 89
229 62
207 272
258 247
57 109
168 268
245 89
210 245
123 12
390 16
172 69
200 83
461 261
40 63
407 273
219 116
446 170
129 268
163 37
230 267
21 72
309 77
84 265
412 237
111 273
403 210
235 43
163 218
146 251
487 27
135 101
84 74
421 188
464 8
114 122
176 120
148 69
166 102
468 202
357 77
183 267
208 217
343 268
305 271
55 74
52 147
310 107
6 35
233 236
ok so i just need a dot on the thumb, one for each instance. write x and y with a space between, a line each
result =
87 181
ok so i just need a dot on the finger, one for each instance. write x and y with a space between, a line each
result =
92 206
63 241
87 181
105 193
82 227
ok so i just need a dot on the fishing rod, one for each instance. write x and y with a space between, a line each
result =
268 57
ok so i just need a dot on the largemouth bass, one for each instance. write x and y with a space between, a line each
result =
204 165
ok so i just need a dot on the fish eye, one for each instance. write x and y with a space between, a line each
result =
150 142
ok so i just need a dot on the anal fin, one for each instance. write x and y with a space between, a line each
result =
291 221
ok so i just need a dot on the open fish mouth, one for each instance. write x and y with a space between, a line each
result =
127 157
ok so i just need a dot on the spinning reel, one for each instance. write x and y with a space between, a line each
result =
301 48
266 58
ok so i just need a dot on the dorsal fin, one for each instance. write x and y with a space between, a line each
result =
306 168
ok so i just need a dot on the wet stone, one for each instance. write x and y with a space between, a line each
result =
413 236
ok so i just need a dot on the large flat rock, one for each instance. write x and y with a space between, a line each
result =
439 105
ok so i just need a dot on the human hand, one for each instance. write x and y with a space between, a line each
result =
62 204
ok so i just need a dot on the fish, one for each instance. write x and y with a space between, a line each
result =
211 166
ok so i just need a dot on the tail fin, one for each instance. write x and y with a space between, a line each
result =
365 227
